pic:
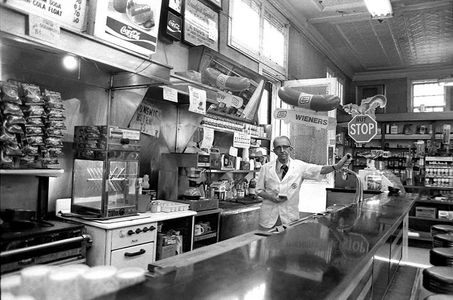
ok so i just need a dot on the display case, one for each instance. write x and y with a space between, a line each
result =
105 173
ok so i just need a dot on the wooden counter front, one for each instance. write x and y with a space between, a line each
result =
351 252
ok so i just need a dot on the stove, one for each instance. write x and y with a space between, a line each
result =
25 243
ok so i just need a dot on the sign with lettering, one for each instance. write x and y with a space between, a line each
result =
201 24
43 29
68 13
303 117
133 25
362 128
147 119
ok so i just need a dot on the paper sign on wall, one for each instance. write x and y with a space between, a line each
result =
43 29
147 119
301 117
208 138
170 94
241 140
197 100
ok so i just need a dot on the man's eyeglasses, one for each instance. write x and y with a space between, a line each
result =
282 148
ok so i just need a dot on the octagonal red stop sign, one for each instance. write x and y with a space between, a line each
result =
362 128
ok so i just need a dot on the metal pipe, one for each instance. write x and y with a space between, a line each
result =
358 197
81 238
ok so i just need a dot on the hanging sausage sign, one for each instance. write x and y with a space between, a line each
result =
308 101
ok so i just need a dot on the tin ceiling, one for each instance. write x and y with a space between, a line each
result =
419 36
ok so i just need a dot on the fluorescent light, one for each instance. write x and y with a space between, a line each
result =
379 9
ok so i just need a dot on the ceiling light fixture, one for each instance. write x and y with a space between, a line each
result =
379 9
70 62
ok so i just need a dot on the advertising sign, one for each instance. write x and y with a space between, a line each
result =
147 119
68 13
201 24
131 24
303 117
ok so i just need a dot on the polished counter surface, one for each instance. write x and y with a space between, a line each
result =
316 258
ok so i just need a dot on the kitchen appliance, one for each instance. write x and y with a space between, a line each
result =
105 172
26 242
189 172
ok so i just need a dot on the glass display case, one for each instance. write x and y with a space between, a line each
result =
105 173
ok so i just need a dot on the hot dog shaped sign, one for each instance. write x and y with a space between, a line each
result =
225 82
308 101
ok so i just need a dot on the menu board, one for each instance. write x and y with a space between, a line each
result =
68 13
201 24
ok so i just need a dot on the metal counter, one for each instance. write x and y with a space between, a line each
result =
322 257
237 218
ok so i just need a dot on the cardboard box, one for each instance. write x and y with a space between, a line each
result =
425 212
132 25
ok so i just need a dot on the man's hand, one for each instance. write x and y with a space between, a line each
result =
344 161
280 198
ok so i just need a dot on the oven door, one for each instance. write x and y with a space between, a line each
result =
136 256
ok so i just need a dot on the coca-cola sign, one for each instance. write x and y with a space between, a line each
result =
133 25
174 26
130 33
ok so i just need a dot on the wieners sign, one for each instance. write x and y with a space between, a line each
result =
302 117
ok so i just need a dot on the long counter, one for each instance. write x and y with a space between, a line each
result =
349 252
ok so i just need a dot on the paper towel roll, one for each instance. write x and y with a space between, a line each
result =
65 283
11 284
99 281
34 281
130 276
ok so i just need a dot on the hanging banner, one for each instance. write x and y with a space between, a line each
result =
301 117
197 100
147 119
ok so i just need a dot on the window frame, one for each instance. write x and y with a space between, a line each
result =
264 7
413 82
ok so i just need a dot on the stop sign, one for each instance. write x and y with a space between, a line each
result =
362 128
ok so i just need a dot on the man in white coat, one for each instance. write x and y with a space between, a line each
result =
279 183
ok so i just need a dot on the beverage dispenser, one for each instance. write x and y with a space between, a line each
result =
105 172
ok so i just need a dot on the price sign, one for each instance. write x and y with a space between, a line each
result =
68 13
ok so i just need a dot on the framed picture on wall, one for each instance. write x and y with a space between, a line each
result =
366 91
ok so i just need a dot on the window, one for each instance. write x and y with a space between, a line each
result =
259 31
340 84
427 95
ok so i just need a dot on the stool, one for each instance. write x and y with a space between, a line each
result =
443 240
441 256
438 280
441 228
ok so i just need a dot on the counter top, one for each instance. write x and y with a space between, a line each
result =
140 218
315 258
236 207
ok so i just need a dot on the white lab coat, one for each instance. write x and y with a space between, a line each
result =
269 181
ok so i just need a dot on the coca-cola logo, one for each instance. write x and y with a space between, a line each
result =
173 25
130 33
